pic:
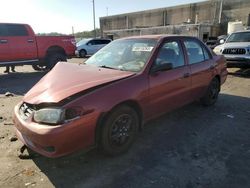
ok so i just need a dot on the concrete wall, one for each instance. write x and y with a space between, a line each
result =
203 12
196 30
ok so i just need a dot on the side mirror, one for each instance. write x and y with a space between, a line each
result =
222 41
164 66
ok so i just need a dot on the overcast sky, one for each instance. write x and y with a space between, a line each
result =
61 15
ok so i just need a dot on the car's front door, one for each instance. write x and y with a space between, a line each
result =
4 45
22 46
93 46
169 89
201 66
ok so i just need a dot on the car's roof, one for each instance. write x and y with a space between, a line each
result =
156 36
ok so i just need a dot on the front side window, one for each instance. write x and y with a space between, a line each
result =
93 42
82 42
127 54
16 30
194 51
170 52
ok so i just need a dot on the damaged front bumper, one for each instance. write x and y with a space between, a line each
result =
58 140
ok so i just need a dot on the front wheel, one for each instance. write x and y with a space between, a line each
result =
39 67
119 130
212 93
82 53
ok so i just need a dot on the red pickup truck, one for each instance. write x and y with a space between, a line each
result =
20 46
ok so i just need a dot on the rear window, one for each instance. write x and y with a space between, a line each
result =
16 30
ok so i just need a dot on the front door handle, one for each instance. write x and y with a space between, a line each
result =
186 75
3 41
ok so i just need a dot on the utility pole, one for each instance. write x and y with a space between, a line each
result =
220 13
107 10
94 17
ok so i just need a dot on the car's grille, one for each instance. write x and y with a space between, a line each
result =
234 51
25 111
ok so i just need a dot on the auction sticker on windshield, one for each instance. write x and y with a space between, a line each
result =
142 49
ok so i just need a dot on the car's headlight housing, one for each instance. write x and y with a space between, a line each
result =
49 115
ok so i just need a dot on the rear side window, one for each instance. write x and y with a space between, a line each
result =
16 30
196 52
92 42
99 42
105 41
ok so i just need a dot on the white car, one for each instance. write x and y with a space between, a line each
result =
236 49
90 46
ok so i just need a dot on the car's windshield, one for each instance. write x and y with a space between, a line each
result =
125 54
239 37
81 42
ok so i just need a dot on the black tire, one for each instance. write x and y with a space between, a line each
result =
82 53
39 67
53 59
119 130
212 93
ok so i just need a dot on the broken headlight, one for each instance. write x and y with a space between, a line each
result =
49 115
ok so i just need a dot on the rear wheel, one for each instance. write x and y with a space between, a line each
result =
119 130
212 93
53 59
50 62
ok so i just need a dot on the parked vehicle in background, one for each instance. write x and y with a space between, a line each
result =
212 42
107 99
87 47
236 49
20 46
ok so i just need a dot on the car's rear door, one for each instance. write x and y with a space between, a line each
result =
4 45
201 66
22 45
169 89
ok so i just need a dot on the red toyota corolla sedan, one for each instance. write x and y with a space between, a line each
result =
105 101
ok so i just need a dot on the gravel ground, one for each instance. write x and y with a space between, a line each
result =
192 147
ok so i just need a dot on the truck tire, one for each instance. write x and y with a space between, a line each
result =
53 59
39 67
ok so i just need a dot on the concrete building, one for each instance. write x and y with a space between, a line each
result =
203 19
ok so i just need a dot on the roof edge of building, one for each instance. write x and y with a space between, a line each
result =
158 9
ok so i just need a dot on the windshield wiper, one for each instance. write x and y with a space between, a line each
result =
107 67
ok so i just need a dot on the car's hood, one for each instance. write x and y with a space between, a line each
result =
236 45
67 79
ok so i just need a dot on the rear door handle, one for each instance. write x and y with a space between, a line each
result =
186 75
30 40
3 41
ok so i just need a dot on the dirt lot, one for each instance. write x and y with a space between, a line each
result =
190 147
